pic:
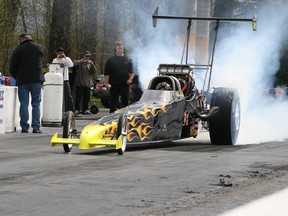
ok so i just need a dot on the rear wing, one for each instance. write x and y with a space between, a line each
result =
209 65
253 20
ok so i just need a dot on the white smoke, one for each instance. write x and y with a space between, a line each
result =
245 60
248 61
154 46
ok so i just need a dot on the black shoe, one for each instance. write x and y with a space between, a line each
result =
24 131
37 131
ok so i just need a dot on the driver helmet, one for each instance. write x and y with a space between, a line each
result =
163 86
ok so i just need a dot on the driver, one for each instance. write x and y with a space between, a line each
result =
163 86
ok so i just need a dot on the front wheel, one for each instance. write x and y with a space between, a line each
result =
94 109
122 129
68 129
224 126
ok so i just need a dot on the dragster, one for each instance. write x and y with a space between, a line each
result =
171 108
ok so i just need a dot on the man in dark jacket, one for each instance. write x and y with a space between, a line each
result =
26 68
118 75
84 75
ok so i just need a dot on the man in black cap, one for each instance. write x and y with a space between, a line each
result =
26 68
85 73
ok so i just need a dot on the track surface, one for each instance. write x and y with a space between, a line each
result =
188 177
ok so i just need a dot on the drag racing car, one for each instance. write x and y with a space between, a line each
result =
171 108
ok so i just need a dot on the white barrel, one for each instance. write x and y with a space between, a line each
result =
52 99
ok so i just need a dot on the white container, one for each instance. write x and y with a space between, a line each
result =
53 97
9 109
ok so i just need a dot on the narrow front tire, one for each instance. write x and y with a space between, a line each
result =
68 129
122 130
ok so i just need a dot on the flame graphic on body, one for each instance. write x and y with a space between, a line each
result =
141 122
142 132
140 127
111 130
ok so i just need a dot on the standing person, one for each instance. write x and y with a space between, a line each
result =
66 63
26 68
118 76
84 75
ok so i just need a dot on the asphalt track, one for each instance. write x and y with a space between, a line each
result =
187 177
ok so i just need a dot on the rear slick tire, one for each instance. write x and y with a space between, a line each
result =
224 126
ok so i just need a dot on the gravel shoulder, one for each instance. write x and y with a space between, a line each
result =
217 201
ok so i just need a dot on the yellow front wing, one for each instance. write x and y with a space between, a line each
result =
93 136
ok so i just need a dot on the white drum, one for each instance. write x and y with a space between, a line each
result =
53 97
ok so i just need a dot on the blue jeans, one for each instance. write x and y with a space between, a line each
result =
23 93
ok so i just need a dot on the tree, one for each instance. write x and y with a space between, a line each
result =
95 25
8 18
60 34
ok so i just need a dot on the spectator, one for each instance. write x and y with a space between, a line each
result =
118 76
85 74
26 68
66 63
